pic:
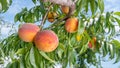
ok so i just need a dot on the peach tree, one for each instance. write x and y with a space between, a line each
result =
86 35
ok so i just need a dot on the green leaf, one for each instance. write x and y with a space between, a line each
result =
4 5
105 49
92 6
116 43
96 6
27 60
83 49
61 50
86 5
117 13
79 5
17 17
10 2
22 63
32 58
38 58
107 18
14 64
2 53
21 51
111 51
117 56
12 54
118 20
101 5
42 8
84 44
81 27
46 57
108 23
34 1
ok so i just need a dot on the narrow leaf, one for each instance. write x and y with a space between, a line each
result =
117 57
101 5
117 20
4 5
34 1
116 43
46 57
92 6
17 17
32 58
117 13
21 51
111 51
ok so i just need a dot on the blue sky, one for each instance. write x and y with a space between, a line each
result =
17 5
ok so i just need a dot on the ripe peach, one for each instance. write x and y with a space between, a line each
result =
71 25
51 20
51 16
28 31
92 43
65 9
94 38
46 40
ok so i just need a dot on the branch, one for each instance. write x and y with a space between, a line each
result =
61 2
56 23
45 16
69 3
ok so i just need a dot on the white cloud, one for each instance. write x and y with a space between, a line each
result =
5 30
58 65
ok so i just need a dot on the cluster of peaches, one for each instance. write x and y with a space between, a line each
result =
46 40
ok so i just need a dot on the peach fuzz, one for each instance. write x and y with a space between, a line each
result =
46 40
71 25
65 9
51 16
28 31
92 43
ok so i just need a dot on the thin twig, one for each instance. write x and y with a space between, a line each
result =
56 23
45 16
68 3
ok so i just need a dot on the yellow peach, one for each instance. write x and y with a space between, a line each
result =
71 25
28 31
46 40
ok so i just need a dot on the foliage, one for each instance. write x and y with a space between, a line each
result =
4 5
93 22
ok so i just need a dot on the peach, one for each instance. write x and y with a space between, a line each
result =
51 20
71 25
51 16
46 40
65 9
28 31
92 43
